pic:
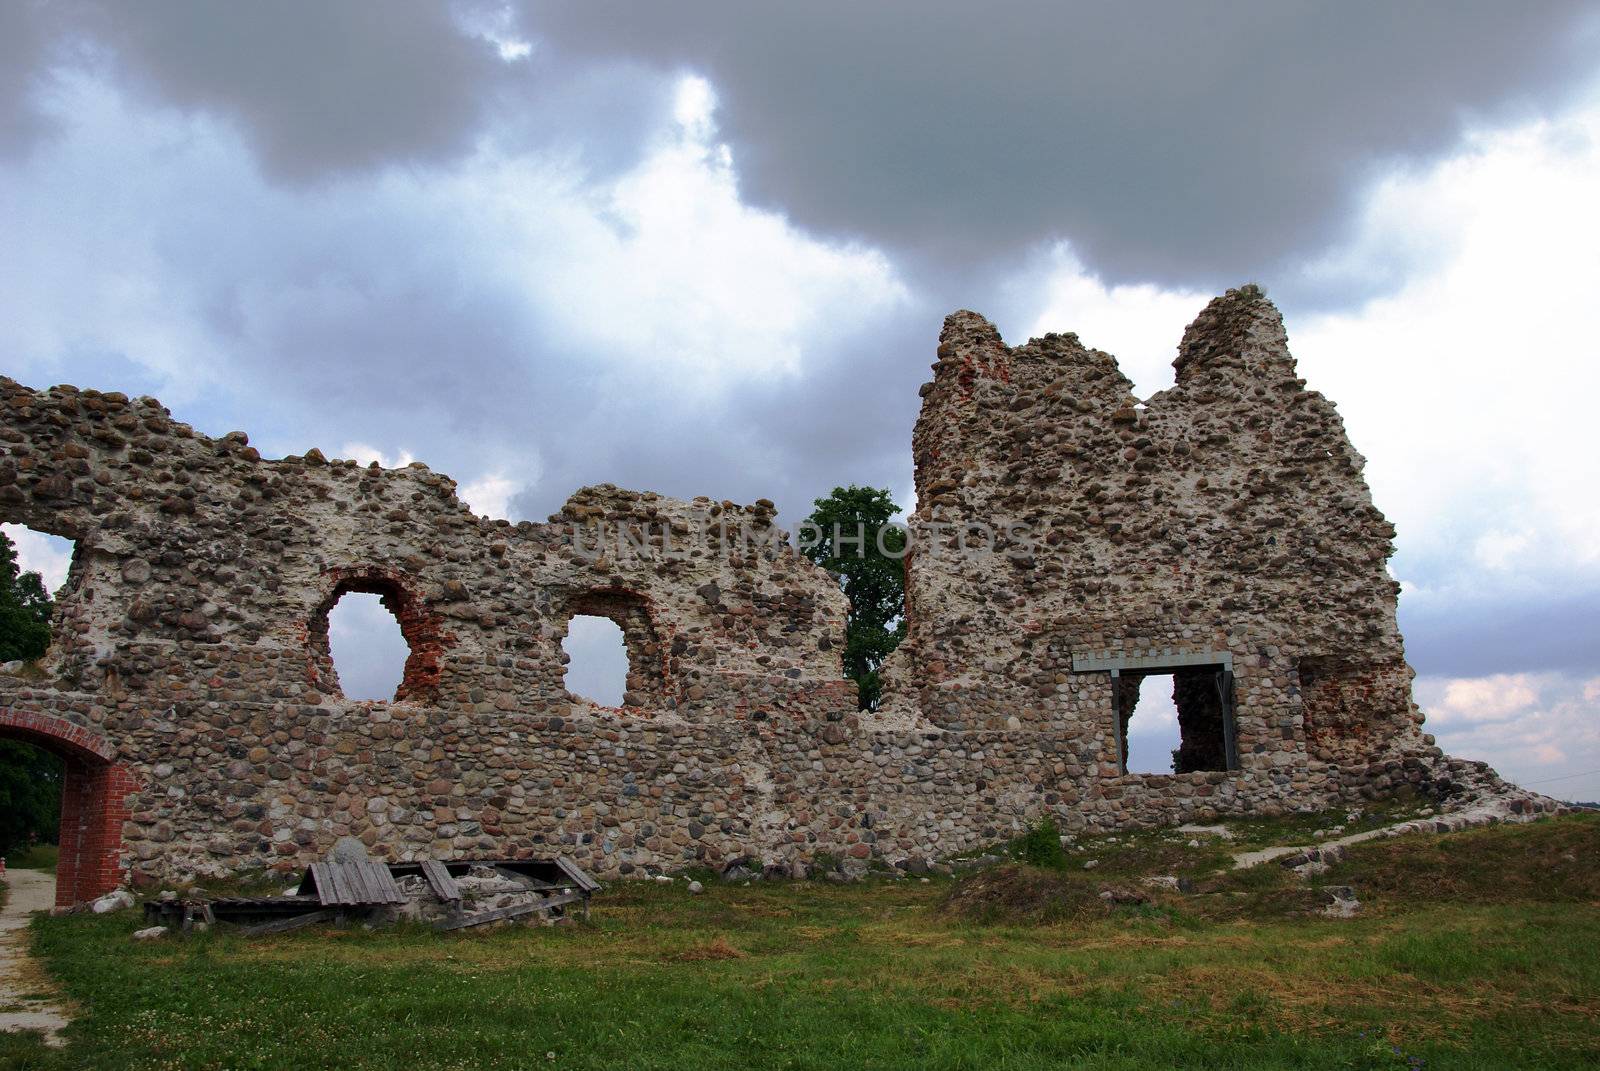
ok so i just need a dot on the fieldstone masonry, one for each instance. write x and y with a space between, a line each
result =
1221 531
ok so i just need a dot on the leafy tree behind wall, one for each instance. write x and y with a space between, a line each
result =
25 608
30 779
855 542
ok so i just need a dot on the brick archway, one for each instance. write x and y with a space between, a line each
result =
94 802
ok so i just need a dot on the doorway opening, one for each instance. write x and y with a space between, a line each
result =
1171 719
93 792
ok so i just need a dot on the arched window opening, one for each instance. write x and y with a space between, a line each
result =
597 660
389 642
34 568
368 650
634 676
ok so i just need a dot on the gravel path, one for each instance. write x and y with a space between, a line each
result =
22 980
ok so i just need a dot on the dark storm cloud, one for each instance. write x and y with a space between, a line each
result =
1174 143
323 88
317 85
1180 143
21 51
848 420
1534 630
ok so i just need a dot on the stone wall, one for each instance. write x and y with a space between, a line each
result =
1226 515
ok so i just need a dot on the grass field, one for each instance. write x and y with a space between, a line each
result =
1474 950
34 857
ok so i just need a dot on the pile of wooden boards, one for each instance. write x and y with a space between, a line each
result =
339 892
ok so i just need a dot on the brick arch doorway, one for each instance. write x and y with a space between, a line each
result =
94 802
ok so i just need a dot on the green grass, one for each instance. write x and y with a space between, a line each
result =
1476 951
34 857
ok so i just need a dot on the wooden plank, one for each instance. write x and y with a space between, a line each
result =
354 876
294 922
576 873
344 881
355 884
343 886
381 886
506 912
321 884
488 916
440 881
329 890
361 890
261 901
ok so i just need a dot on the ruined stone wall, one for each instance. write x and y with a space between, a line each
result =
192 634
1227 514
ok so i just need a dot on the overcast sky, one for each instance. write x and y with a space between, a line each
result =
705 248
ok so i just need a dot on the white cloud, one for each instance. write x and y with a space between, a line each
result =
668 270
694 106
1501 550
598 669
661 280
1153 730
369 652
490 495
498 27
49 556
1539 730
1141 325
366 455
1475 699
1464 387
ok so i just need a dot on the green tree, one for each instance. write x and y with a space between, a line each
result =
30 779
849 534
25 608
30 796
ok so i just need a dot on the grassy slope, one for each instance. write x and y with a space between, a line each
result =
35 857
1476 950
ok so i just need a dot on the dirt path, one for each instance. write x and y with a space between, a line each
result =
27 1000
1485 813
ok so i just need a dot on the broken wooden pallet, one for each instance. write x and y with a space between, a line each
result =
514 911
351 885
439 880
330 892
293 922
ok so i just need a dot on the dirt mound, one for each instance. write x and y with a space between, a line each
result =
1024 894
718 948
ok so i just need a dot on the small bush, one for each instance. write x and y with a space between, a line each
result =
1041 845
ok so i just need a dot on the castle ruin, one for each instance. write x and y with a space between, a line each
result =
1220 532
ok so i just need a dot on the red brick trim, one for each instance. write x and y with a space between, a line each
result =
57 733
94 802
